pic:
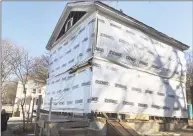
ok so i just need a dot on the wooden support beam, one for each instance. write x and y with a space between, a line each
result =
33 101
36 131
50 109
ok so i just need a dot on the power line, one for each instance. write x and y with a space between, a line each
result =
109 3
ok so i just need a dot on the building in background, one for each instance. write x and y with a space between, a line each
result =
34 88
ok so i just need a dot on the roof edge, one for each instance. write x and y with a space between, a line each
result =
135 23
146 28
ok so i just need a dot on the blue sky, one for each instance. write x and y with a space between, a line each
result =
30 24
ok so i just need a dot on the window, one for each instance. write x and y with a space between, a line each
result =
69 24
39 91
34 91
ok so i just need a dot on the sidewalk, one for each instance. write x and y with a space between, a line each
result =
11 119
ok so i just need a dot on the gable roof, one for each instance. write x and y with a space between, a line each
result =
72 6
120 15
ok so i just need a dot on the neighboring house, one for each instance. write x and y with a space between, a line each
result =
33 88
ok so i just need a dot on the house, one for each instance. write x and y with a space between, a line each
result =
102 60
34 88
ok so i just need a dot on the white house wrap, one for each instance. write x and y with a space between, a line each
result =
130 71
119 89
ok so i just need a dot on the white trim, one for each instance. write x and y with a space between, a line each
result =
69 7
72 4
74 28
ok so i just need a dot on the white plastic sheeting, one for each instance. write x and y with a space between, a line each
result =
131 72
132 48
119 89
73 50
143 75
69 92
112 88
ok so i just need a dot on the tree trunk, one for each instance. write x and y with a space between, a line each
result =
28 114
22 108
31 118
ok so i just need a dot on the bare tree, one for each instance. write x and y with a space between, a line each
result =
17 62
8 49
10 89
189 77
40 68
22 68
